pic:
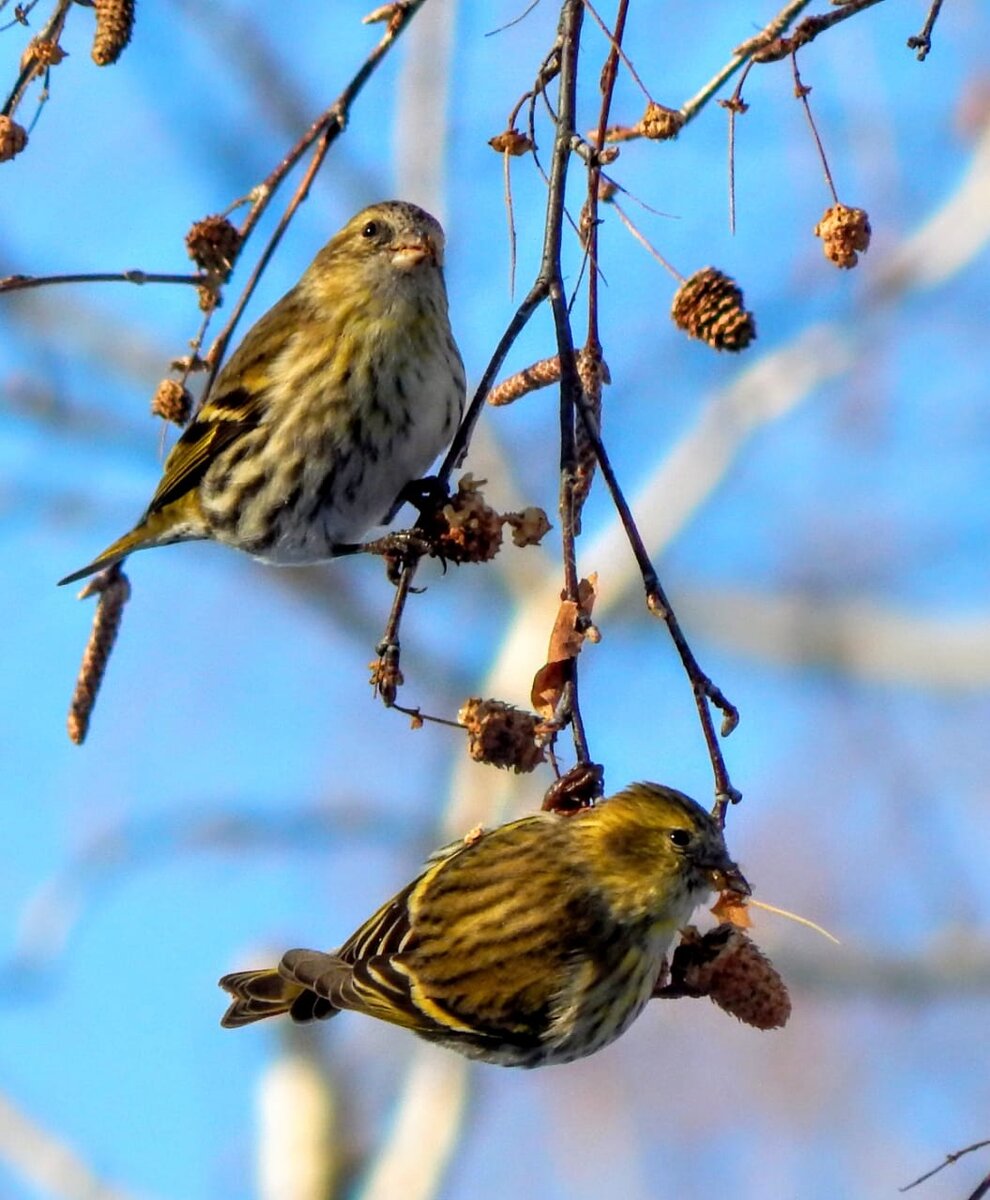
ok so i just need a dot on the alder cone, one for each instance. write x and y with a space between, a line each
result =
213 243
709 306
13 138
845 234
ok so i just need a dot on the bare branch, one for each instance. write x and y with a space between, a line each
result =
46 1163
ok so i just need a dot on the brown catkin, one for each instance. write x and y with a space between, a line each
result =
114 26
726 965
709 306
540 374
592 373
114 590
13 138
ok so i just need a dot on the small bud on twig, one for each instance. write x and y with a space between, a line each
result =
578 789
392 13
386 678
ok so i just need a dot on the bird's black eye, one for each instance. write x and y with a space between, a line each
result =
681 838
372 229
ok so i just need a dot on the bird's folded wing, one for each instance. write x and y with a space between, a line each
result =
222 420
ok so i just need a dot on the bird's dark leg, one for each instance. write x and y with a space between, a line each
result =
426 495
399 549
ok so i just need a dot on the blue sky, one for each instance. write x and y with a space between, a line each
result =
240 790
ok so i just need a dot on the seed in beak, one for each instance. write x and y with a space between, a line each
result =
730 879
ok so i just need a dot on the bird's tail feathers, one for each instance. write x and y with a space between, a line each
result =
157 529
113 554
257 994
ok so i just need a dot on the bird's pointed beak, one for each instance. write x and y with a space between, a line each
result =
726 877
411 253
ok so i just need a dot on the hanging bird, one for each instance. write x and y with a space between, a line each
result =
337 399
538 942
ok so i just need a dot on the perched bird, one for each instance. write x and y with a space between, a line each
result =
538 942
338 398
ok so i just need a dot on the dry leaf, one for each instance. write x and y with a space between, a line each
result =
566 639
511 141
730 908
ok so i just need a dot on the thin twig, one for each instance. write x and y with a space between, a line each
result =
572 390
801 93
323 133
389 675
420 717
774 49
949 1160
389 646
645 243
704 690
922 42
735 106
515 20
19 283
609 73
49 33
218 349
21 13
572 17
615 40
741 55
462 439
